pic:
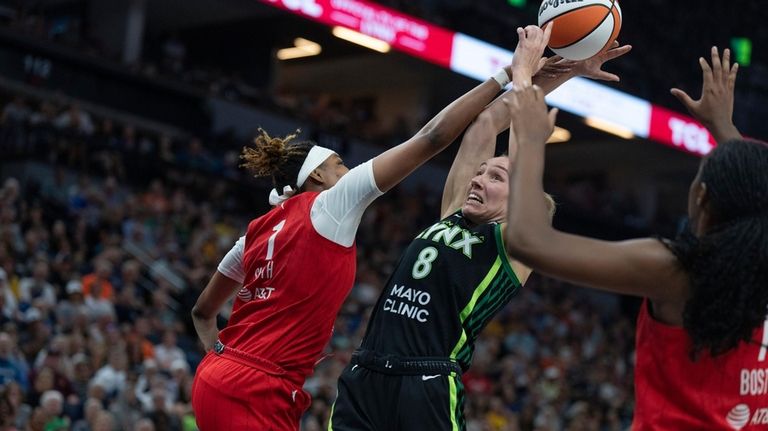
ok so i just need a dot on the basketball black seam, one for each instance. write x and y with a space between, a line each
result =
578 8
613 3
610 12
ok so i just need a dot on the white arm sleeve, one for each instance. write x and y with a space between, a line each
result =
336 212
232 264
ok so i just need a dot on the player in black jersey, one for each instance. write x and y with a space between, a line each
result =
451 280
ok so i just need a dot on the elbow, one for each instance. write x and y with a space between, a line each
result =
196 313
438 133
199 314
435 137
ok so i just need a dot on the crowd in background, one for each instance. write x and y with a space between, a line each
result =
109 232
105 246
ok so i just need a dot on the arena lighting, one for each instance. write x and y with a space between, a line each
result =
361 39
302 48
559 135
607 126
478 59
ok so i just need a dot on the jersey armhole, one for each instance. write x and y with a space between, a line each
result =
504 256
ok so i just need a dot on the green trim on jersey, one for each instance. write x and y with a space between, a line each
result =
486 299
472 302
330 418
454 398
504 255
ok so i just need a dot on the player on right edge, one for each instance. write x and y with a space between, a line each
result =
702 332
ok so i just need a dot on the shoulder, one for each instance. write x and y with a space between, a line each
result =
455 215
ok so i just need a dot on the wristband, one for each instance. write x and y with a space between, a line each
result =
502 78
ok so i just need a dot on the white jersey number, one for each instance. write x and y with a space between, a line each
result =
423 265
271 242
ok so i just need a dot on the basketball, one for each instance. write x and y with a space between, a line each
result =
583 28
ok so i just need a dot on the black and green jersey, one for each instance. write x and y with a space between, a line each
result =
451 280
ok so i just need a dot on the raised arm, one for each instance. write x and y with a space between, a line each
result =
479 141
395 164
714 109
629 267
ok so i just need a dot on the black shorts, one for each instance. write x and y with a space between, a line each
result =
372 398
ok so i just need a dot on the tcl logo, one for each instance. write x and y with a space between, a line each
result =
691 136
306 7
679 131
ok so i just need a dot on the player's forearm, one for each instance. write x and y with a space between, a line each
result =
527 212
446 126
206 329
550 84
725 132
498 112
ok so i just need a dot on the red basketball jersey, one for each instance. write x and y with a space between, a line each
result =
295 283
728 392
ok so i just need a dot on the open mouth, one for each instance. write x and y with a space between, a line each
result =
473 197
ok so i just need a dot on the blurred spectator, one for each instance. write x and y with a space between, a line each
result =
8 305
75 120
92 409
36 291
52 403
104 269
167 352
111 378
10 368
96 285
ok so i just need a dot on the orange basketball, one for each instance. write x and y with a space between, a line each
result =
583 28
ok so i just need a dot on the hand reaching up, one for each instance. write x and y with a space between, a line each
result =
527 59
714 109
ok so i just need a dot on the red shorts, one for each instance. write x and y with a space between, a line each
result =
231 394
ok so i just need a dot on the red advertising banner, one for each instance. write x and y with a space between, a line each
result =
405 33
478 59
680 131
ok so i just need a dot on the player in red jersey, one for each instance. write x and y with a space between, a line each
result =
702 333
293 269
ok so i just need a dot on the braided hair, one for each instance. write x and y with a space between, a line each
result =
278 158
728 264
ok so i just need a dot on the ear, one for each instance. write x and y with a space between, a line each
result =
316 176
702 202
702 197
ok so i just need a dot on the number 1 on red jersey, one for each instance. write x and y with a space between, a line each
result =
271 242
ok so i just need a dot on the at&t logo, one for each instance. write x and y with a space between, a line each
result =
738 417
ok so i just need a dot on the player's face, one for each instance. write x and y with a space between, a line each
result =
488 192
332 169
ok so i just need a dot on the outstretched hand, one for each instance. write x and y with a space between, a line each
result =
527 59
531 123
554 67
714 109
593 66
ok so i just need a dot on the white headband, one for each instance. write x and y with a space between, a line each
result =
316 156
